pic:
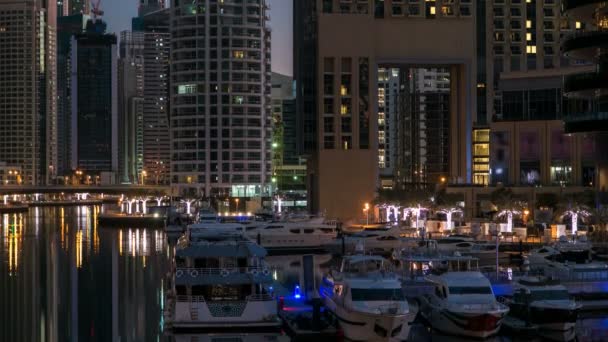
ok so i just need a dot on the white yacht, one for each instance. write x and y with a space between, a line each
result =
451 244
285 235
218 281
462 304
568 260
546 304
368 300
485 252
378 241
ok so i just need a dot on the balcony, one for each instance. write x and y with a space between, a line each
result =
582 10
586 122
587 85
586 46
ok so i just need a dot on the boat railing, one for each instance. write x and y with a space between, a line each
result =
191 299
259 298
473 306
224 272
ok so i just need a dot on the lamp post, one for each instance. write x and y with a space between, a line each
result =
237 204
143 176
366 211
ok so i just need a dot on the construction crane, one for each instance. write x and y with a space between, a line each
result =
96 11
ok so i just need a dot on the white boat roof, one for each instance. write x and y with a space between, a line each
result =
361 257
468 278
374 283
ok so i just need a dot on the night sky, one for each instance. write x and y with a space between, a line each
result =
118 14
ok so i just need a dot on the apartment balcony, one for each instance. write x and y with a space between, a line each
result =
583 10
586 122
587 85
587 46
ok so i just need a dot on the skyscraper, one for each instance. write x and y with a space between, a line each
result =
94 120
144 99
28 101
220 98
130 103
67 27
72 7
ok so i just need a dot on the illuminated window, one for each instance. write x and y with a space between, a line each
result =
528 36
343 90
531 49
238 54
344 109
578 25
186 89
528 23
432 10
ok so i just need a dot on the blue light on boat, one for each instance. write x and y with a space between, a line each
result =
296 292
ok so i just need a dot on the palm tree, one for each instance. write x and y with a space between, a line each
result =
576 205
507 205
448 204
412 201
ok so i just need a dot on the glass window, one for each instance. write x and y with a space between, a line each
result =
372 295
465 290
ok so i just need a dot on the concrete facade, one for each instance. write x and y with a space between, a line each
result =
353 40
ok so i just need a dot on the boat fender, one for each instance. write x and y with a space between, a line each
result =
194 273
179 273
254 272
266 272
224 272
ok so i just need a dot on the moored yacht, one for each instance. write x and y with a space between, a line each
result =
286 235
568 261
368 300
463 304
546 304
219 281
451 244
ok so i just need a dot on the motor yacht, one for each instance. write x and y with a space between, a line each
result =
377 241
486 252
462 304
219 280
546 304
299 235
568 260
368 300
451 244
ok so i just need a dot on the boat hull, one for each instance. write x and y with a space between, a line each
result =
473 324
361 326
552 319
221 315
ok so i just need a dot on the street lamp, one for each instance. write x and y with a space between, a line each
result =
143 176
366 211
237 204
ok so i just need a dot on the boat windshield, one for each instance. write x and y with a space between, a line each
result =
371 295
550 295
470 290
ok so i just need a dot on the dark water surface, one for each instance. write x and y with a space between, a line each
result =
63 278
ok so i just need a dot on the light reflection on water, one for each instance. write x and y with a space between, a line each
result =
63 278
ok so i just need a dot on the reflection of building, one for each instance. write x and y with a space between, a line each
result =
220 99
94 100
353 39
28 91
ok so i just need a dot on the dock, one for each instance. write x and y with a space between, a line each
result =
13 208
109 220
